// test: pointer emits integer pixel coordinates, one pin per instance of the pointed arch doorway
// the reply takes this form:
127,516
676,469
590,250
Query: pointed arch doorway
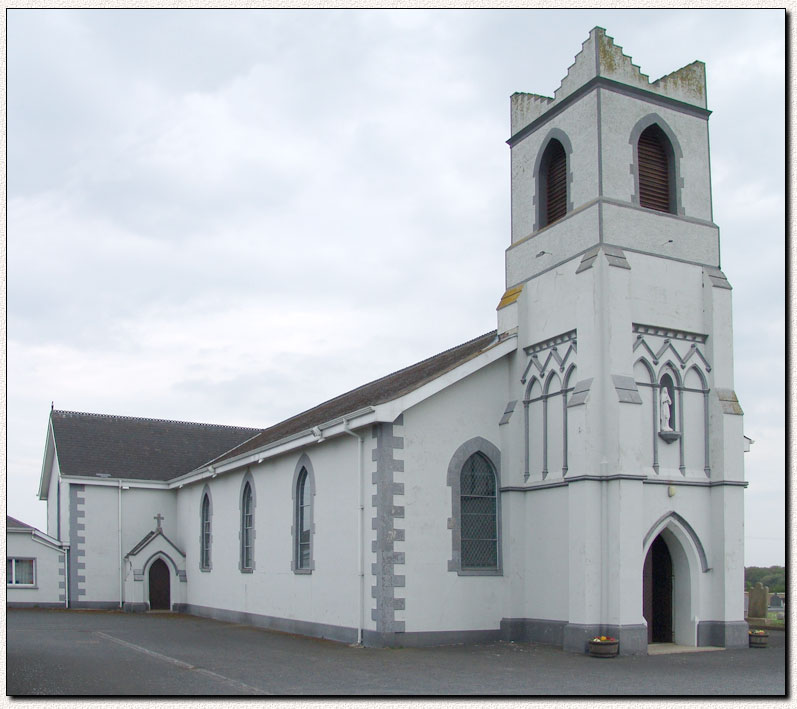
159,586
657,596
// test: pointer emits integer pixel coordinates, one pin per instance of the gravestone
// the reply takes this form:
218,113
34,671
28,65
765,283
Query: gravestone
776,601
759,601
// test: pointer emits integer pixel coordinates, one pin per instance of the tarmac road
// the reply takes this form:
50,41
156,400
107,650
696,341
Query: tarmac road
79,653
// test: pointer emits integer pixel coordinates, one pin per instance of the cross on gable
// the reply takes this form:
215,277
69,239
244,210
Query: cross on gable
158,518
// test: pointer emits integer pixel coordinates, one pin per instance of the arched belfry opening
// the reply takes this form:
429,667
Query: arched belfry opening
553,183
655,164
657,592
159,586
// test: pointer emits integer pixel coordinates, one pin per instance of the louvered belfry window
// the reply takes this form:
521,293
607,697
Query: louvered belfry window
554,169
654,170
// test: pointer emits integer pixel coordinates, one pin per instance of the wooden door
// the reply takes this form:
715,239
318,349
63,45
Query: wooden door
657,592
159,586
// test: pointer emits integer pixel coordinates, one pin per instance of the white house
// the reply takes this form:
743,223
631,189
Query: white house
577,471
35,568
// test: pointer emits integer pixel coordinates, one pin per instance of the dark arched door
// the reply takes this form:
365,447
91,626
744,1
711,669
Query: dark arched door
657,592
159,583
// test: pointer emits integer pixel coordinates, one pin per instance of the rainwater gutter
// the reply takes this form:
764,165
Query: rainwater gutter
361,535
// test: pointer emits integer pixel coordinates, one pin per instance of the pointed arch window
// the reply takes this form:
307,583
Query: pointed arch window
655,158
474,476
304,515
247,528
204,541
479,514
553,183
303,529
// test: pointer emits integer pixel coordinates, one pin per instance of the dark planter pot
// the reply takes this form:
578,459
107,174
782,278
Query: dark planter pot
604,649
759,640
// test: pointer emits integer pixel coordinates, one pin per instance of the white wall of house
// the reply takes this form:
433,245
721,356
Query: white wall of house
49,571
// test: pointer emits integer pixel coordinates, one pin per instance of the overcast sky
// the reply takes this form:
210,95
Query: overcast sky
229,216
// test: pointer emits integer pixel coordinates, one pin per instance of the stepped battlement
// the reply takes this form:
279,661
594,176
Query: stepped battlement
601,57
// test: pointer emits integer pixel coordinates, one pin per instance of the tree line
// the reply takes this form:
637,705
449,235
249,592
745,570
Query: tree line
772,576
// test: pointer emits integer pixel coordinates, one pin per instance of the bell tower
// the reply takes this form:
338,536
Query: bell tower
625,366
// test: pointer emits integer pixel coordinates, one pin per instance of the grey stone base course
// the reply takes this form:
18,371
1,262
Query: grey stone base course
431,638
135,607
533,630
284,625
718,633
95,605
633,638
34,604
574,637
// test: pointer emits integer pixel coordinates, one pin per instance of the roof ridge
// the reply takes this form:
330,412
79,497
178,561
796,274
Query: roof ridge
157,420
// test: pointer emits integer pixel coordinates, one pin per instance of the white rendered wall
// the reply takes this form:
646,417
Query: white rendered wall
329,594
544,542
139,507
433,430
102,556
100,551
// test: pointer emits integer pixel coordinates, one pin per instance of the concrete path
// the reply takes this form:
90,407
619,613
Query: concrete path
81,653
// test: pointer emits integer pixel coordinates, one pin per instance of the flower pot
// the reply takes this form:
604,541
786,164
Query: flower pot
607,648
758,640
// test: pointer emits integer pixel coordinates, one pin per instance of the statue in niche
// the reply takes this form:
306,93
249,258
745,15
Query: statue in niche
665,409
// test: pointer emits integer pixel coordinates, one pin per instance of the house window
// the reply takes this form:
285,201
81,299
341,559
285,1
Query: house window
478,514
303,521
20,572
204,548
655,158
553,184
247,528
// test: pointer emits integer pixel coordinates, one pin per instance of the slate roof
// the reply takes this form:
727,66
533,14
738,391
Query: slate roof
377,392
138,448
12,523
152,449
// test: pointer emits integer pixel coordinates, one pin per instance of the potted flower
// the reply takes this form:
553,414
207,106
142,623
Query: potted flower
758,638
604,646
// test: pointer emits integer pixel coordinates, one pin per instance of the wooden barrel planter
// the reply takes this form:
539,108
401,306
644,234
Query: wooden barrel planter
604,648
758,639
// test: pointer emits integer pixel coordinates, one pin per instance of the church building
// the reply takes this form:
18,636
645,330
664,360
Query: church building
576,472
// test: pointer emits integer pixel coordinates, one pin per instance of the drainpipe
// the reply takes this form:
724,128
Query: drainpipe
121,561
361,535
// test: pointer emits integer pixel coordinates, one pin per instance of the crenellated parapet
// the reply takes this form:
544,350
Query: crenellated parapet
601,58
